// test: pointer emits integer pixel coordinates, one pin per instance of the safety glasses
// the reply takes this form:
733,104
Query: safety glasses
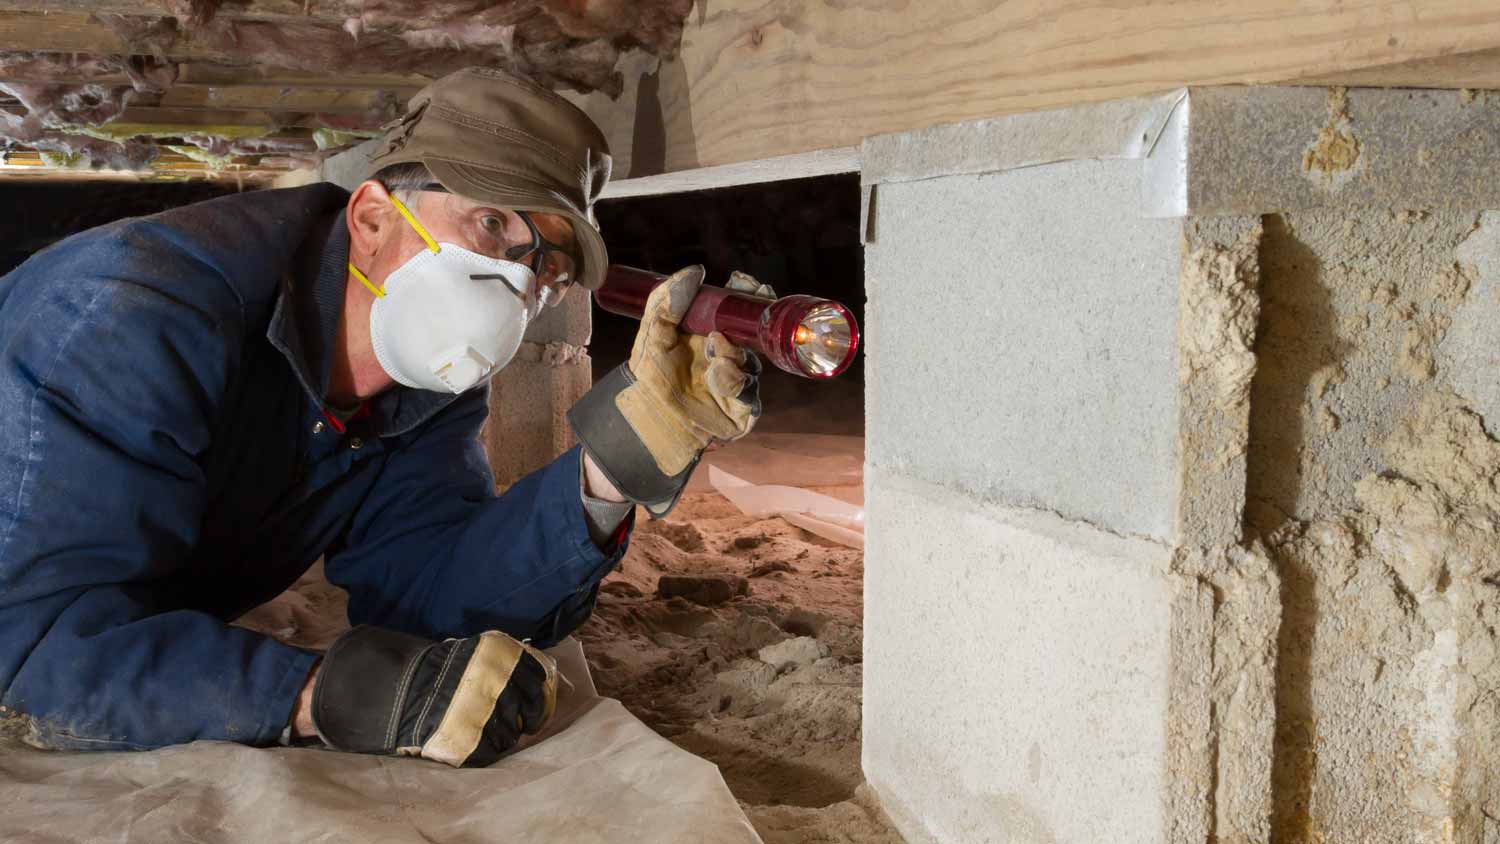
556,265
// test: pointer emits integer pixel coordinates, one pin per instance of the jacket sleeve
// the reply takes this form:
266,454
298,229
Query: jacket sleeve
432,551
107,388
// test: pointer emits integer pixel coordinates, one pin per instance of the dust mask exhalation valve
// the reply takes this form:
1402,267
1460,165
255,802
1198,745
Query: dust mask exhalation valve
803,335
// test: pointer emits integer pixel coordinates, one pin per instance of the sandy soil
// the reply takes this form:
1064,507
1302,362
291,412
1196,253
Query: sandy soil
766,685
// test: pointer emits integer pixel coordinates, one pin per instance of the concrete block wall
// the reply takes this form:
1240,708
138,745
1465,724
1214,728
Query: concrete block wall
1180,483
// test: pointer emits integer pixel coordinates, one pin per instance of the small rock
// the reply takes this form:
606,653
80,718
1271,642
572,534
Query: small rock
803,622
621,589
768,568
803,650
707,590
745,543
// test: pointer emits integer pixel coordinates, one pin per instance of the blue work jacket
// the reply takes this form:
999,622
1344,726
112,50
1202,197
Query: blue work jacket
166,464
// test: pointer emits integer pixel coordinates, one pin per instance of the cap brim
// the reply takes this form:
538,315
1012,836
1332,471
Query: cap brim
510,191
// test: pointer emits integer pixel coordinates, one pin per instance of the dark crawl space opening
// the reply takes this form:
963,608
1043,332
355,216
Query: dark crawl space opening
738,634
38,214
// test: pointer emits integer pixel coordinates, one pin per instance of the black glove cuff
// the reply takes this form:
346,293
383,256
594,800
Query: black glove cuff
618,450
358,700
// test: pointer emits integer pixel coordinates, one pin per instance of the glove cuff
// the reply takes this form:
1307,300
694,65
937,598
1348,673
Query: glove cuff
617,449
358,700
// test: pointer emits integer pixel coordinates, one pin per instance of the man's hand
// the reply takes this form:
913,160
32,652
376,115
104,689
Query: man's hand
301,721
689,390
644,425
462,702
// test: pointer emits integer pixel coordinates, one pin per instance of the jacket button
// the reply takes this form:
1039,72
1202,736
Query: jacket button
356,443
318,427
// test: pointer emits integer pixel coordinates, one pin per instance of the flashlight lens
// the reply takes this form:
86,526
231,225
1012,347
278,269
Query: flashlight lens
822,340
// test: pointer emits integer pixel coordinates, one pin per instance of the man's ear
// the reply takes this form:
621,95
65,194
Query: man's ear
369,217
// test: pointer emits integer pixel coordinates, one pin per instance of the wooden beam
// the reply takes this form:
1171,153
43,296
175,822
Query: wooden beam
756,79
1467,70
165,116
274,99
215,74
331,10
248,84
58,33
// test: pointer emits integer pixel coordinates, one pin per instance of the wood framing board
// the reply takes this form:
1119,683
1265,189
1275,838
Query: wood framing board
250,9
756,79
69,32
206,76
1480,69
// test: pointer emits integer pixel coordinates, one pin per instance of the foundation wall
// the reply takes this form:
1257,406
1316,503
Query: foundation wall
1371,481
1205,521
1020,469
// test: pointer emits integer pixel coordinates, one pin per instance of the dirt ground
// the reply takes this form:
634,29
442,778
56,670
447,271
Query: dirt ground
766,685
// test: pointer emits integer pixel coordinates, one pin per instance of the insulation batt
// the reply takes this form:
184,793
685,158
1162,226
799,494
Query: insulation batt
573,44
560,43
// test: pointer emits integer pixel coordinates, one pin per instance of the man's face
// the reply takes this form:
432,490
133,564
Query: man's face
544,242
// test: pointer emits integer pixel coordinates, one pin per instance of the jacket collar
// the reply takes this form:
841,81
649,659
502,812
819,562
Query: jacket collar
304,328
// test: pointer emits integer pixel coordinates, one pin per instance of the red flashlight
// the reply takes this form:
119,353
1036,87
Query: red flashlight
803,335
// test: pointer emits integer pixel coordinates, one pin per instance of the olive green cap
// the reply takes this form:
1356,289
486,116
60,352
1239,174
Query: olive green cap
494,138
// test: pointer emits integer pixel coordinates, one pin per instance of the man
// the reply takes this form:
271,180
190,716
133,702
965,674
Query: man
197,405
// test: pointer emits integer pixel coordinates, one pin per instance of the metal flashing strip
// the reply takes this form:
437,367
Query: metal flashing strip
823,162
1239,149
1120,129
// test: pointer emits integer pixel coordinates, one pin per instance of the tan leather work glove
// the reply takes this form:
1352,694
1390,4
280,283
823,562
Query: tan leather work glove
646,422
689,390
462,702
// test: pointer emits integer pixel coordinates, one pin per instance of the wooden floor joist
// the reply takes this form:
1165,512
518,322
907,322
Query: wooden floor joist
756,79
330,10
759,79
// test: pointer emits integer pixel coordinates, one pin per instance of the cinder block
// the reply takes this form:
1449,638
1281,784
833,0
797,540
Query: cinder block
1016,671
1023,341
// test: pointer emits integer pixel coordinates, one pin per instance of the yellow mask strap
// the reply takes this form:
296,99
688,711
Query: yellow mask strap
411,219
379,293
426,238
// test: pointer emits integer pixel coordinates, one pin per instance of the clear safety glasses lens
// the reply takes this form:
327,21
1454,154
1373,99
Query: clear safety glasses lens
556,266
822,340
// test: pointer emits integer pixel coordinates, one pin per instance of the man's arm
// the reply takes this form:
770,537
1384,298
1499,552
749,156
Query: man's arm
604,508
106,388
433,552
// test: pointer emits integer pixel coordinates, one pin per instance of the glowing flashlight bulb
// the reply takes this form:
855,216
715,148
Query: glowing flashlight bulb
803,336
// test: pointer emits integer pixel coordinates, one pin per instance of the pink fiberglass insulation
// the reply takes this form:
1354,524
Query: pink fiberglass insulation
123,155
566,44
71,103
570,44
146,74
320,46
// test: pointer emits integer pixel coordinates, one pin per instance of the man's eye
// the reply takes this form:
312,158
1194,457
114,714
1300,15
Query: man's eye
492,223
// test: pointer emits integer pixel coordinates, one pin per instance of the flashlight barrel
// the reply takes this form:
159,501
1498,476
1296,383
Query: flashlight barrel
766,326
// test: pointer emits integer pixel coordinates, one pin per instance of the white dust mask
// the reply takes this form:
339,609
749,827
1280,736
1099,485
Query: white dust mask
448,318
